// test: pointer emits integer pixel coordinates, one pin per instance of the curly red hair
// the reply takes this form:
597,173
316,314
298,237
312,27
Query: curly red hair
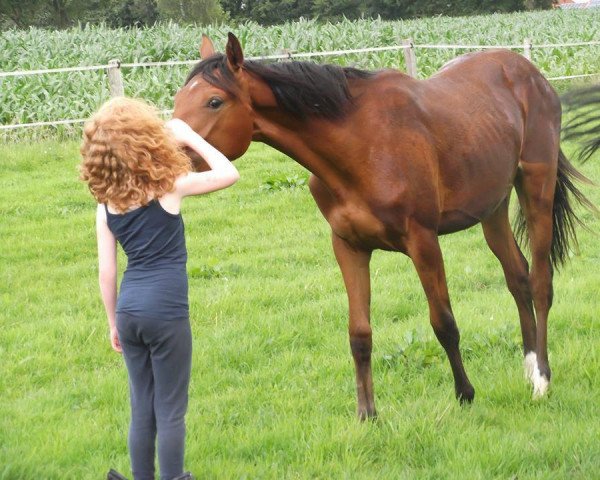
129,157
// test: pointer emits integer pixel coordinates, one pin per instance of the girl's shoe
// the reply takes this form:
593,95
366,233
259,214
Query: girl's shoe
114,475
184,476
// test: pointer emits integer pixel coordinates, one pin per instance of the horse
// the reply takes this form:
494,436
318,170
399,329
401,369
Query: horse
397,161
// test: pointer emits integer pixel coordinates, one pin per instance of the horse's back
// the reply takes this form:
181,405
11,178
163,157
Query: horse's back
500,73
463,130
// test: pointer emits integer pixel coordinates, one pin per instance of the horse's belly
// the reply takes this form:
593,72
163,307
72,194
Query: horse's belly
455,220
464,210
474,187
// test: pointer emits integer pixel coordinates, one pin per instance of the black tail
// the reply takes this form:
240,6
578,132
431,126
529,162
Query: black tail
564,219
583,126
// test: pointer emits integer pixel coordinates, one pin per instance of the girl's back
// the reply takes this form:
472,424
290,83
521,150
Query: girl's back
155,282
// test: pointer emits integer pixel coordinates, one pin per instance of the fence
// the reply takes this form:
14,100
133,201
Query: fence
409,49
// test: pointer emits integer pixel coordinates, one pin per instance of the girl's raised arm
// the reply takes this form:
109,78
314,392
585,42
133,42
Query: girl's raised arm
222,174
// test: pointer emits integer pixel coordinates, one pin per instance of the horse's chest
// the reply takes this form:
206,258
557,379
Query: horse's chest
362,227
357,221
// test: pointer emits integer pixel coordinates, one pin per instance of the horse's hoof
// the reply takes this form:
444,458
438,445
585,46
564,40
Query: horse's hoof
540,387
466,396
539,377
540,384
364,415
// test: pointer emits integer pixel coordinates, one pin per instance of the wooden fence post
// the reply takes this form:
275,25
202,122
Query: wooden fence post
285,51
527,49
409,57
115,79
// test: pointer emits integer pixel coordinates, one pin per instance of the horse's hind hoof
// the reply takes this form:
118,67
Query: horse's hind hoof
540,385
538,375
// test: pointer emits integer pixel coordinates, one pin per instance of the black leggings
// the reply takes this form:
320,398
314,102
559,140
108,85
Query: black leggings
158,355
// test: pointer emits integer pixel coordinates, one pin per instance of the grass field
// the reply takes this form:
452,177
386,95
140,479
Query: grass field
272,391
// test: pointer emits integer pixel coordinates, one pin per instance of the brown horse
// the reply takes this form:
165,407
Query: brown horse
396,162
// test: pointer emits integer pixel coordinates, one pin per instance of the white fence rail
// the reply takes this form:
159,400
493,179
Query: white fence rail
409,48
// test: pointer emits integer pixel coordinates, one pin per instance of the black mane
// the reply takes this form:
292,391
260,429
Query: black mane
302,88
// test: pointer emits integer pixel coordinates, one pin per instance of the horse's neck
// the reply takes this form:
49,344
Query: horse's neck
316,144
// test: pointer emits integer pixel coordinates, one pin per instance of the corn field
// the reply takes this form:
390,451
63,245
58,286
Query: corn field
77,94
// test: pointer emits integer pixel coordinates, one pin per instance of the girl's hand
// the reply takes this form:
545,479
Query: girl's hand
114,341
180,130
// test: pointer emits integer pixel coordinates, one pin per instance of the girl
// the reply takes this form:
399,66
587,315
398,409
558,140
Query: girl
136,170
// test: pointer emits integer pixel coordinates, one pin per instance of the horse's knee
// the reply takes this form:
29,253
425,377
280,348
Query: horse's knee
519,286
541,284
361,346
445,329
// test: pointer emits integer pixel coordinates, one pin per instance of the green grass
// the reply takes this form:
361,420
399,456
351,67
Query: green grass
272,389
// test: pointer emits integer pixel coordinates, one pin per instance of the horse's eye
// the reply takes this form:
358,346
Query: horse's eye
214,103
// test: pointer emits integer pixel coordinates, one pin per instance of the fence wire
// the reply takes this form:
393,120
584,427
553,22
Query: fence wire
287,55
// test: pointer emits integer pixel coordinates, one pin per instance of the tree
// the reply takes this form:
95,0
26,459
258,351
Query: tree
269,12
237,9
18,13
335,11
538,4
124,13
132,13
23,13
191,11
64,13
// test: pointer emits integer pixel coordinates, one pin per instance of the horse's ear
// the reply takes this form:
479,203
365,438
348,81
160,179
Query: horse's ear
235,56
206,47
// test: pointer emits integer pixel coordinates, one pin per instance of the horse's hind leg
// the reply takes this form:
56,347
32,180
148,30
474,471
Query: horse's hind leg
500,239
424,250
535,185
354,264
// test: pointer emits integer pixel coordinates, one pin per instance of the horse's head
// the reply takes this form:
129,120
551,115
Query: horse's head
215,100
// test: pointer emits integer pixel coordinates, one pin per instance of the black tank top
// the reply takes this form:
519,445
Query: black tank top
155,282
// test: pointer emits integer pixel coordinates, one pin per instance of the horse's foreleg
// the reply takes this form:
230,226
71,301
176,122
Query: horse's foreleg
424,250
354,264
